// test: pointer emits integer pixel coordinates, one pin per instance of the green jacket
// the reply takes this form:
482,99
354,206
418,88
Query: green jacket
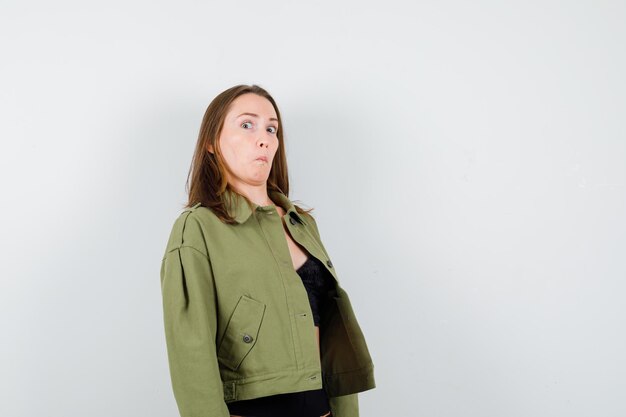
238,322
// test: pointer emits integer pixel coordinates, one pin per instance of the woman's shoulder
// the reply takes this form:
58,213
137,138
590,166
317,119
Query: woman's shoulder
189,228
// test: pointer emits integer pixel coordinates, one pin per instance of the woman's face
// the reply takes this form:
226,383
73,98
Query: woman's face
249,132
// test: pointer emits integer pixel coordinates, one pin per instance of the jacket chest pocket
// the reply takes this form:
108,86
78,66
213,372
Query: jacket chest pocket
241,332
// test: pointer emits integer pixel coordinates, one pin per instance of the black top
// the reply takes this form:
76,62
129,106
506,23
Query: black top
317,282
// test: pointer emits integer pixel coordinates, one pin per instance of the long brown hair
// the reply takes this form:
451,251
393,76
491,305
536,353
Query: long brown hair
206,181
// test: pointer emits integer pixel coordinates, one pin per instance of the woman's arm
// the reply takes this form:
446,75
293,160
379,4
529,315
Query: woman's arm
189,312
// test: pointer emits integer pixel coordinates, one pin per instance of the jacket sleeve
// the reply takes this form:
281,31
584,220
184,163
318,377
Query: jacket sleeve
190,317
345,405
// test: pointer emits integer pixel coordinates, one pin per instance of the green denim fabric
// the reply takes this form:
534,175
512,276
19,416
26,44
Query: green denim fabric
238,323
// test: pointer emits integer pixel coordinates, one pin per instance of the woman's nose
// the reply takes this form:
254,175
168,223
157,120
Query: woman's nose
266,137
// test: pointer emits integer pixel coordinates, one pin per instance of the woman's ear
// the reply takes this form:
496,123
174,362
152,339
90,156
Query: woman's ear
209,148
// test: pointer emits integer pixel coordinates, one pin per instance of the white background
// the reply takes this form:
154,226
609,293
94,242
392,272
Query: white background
466,163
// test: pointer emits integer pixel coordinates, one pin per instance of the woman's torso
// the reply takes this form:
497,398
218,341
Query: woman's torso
303,264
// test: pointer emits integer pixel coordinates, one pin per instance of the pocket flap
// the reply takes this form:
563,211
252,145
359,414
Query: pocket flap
241,332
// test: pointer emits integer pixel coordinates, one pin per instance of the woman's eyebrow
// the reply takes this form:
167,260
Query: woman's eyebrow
255,115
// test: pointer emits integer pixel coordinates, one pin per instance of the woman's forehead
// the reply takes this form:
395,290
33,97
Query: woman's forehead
252,105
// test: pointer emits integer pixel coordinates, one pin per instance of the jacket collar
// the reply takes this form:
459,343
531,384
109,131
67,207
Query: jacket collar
238,207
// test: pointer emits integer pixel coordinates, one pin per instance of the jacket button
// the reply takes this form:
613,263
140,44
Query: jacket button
329,263
292,221
247,338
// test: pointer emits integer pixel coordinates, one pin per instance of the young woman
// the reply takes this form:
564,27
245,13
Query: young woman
257,323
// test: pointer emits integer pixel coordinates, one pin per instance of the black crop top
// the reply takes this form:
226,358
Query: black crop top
318,283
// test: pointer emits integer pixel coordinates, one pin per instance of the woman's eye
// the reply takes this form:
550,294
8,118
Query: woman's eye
250,123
